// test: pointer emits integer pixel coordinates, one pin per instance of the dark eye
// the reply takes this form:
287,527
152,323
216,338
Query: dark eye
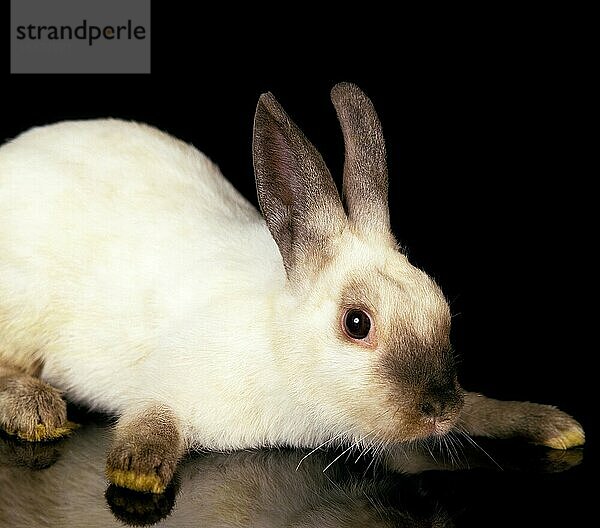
357,324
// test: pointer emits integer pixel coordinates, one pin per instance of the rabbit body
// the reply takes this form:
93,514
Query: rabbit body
135,280
134,272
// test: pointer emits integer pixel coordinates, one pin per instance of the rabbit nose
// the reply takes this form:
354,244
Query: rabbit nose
432,408
439,401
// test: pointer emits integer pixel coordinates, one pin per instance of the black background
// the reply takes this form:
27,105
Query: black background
488,126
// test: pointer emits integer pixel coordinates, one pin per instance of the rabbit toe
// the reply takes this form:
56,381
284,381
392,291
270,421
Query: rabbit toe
144,467
566,438
558,430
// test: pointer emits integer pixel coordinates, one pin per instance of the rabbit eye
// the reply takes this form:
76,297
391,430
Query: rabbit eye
357,324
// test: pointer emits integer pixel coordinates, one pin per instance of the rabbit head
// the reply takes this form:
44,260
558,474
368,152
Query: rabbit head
364,339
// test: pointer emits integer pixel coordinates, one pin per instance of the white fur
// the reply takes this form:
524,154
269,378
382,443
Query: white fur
136,274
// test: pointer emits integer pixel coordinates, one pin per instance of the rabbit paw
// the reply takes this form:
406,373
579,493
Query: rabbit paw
146,450
546,425
141,467
33,410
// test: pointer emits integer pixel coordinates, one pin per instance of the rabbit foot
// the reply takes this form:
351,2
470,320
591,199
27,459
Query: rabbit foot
143,467
146,451
551,427
33,410
136,481
540,424
566,439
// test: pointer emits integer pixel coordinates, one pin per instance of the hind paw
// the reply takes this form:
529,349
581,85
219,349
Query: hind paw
33,410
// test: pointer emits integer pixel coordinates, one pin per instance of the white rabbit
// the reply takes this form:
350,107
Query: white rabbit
134,279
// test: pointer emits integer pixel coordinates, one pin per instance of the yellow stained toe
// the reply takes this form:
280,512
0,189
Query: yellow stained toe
572,438
42,433
136,481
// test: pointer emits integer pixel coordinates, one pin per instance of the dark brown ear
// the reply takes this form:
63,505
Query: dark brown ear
365,167
296,193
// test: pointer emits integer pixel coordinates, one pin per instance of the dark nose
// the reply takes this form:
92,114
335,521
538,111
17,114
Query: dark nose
432,408
439,400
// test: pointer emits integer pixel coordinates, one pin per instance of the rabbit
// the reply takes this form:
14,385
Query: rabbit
135,280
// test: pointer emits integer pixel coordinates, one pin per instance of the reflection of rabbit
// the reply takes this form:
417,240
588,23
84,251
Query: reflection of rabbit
262,489
136,280
259,489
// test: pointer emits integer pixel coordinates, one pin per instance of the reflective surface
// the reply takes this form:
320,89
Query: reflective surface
62,484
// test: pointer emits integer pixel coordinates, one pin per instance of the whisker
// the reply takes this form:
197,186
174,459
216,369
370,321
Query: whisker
455,457
376,447
442,440
426,444
346,450
362,452
338,457
380,445
458,450
319,447
475,444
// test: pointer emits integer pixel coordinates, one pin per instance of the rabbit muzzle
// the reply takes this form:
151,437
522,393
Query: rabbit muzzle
423,392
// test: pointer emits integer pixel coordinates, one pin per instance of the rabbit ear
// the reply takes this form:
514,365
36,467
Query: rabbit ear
365,167
297,195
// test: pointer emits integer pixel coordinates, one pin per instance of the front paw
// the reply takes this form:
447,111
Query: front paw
146,467
33,410
546,425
